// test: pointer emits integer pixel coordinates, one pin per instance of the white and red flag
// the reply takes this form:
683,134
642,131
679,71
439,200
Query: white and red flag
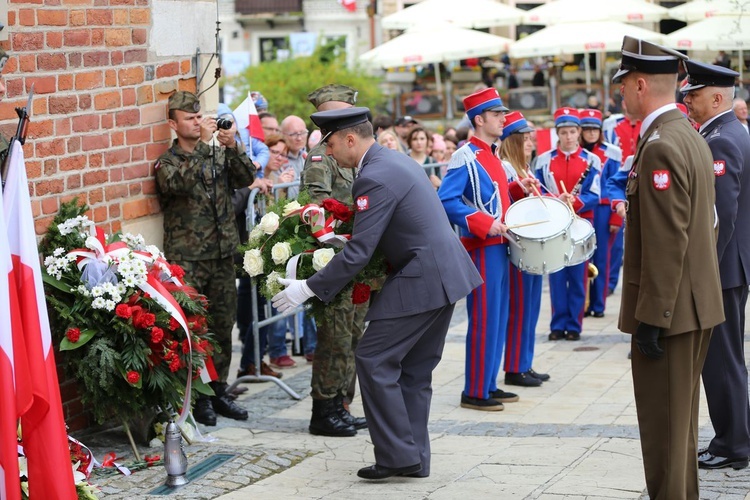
43,427
247,117
350,5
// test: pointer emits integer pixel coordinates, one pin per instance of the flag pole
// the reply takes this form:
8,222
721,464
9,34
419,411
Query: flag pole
20,136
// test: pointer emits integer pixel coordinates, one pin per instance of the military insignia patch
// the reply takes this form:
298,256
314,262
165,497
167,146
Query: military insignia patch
720,167
661,180
654,137
363,203
316,158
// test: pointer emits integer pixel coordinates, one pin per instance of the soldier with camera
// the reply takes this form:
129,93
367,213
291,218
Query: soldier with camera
194,181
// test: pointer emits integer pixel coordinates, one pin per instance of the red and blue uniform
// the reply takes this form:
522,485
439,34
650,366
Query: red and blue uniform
568,285
475,192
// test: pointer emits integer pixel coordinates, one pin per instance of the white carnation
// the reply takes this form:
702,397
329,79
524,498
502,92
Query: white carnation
253,262
99,303
269,223
281,252
291,207
322,257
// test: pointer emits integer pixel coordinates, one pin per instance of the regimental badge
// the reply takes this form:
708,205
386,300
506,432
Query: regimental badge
316,158
720,168
661,180
363,203
654,137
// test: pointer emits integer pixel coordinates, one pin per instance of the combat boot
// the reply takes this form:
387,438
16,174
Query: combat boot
348,418
325,420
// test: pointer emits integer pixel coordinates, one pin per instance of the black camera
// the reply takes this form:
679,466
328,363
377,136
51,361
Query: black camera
224,123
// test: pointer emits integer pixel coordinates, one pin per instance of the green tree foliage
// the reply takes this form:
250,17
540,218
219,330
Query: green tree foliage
285,84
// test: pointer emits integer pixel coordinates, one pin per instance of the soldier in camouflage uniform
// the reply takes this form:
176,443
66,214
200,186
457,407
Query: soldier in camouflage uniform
341,329
194,181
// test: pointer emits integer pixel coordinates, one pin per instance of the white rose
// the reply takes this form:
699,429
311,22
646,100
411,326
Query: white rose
291,207
253,262
322,257
255,235
269,223
281,252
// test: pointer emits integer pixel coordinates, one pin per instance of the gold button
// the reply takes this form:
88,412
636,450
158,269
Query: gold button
667,314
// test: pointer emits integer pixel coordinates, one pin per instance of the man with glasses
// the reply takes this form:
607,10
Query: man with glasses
269,123
295,132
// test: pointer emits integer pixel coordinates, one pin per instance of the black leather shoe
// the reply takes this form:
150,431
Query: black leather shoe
224,406
204,413
573,336
325,420
522,379
556,335
541,376
597,314
379,472
504,396
489,404
708,460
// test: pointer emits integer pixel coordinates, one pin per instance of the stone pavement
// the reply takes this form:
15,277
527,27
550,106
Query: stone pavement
574,437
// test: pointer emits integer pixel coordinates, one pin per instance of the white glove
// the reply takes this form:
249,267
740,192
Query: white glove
296,293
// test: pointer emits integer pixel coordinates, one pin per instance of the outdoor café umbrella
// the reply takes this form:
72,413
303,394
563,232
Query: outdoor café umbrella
630,11
698,10
464,13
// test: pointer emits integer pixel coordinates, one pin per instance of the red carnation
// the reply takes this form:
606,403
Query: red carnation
157,334
340,211
73,334
124,311
144,319
173,324
360,293
177,271
185,347
133,377
174,365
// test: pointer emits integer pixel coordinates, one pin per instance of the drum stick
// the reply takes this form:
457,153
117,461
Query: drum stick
536,190
511,240
562,184
524,224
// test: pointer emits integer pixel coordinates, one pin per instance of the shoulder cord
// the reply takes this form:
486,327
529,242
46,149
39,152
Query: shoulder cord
486,208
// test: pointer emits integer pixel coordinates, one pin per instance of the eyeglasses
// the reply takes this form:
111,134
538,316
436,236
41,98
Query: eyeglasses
298,135
277,153
275,130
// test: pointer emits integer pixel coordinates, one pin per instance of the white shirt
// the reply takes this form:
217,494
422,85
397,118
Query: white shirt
654,115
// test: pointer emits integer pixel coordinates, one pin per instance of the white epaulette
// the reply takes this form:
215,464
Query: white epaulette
462,157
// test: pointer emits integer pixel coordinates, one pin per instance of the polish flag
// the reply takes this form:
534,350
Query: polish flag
546,140
350,5
247,117
44,435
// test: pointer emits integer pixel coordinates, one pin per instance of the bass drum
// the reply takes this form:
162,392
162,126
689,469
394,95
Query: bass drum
582,241
539,248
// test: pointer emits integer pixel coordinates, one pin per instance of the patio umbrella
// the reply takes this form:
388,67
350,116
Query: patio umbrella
697,10
464,13
560,11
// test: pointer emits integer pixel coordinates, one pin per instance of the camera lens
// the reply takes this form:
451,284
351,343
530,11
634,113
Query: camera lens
224,123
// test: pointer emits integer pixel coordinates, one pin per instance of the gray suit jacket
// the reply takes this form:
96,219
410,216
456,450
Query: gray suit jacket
400,213
730,147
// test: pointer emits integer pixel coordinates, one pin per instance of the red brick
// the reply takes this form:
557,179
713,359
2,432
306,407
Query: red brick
107,100
49,17
65,81
11,18
97,37
122,2
144,94
96,160
75,59
85,123
50,167
92,142
77,38
54,39
134,189
73,181
154,151
77,2
140,16
62,126
115,174
26,17
40,106
100,214
148,186
73,163
33,169
116,156
89,80
161,132
77,17
96,58
55,147
121,17
62,105
138,153
50,205
42,223
130,76
140,36
127,118
27,63
117,57
110,76
152,113
118,138
44,187
42,85
137,171
41,128
115,192
108,121
135,208
96,196
84,102
186,85
166,70
186,67
128,97
14,87
114,213
74,144
99,17
136,55
117,37
95,177
51,3
51,61
138,136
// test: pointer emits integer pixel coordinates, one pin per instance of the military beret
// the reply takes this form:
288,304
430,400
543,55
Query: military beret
338,119
646,57
3,59
184,101
707,75
333,92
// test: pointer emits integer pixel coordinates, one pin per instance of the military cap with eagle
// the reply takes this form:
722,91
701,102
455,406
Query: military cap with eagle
647,57
338,119
707,75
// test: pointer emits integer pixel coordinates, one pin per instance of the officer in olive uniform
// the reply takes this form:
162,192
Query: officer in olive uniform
194,181
340,331
671,293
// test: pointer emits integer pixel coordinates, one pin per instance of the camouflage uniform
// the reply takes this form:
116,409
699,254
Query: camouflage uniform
340,330
200,233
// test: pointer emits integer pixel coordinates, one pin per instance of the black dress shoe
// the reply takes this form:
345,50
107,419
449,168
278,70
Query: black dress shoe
224,406
203,412
597,314
503,396
379,472
556,335
522,379
708,460
573,336
541,376
489,404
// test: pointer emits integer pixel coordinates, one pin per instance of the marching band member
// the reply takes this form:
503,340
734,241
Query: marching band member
475,195
607,224
572,174
525,288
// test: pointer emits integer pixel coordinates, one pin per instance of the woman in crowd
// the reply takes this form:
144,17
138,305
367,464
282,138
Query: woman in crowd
278,169
389,139
419,146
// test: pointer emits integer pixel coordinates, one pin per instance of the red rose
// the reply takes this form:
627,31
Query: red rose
360,293
340,211
124,311
157,334
177,271
73,334
133,377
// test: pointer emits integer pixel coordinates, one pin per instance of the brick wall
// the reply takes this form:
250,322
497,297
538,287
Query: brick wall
99,112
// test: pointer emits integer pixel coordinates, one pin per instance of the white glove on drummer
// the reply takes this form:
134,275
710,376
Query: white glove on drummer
296,293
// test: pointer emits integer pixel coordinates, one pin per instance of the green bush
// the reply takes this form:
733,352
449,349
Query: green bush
285,84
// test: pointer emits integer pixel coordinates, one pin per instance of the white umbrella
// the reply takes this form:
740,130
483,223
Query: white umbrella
560,11
698,10
464,13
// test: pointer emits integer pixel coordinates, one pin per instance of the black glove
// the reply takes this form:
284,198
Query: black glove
647,340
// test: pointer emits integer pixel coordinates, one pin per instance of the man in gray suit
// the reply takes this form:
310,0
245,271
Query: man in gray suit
399,213
708,97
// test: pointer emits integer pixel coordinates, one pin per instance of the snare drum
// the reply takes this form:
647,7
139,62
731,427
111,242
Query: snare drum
582,241
539,248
